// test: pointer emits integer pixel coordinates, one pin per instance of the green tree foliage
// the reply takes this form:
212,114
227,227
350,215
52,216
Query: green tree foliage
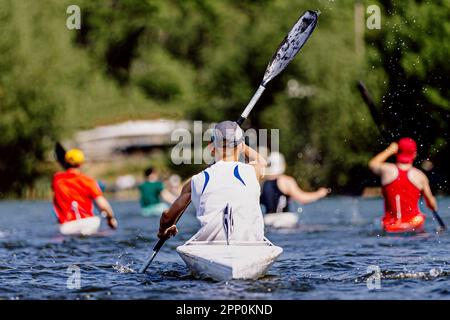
412,50
48,88
203,59
209,56
27,105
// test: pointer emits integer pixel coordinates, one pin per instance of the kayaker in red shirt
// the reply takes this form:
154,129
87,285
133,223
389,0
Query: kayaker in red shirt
74,194
402,186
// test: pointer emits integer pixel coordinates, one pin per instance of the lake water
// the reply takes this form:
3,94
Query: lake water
331,256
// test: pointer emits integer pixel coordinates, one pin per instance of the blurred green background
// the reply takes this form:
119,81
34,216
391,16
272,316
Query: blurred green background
202,60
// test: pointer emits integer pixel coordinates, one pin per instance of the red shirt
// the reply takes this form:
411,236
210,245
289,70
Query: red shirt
74,193
401,201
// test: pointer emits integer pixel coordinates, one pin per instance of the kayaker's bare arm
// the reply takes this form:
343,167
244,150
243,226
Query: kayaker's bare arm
105,207
377,162
428,195
289,186
256,160
167,227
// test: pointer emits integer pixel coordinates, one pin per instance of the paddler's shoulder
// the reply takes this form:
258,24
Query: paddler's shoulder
77,174
59,174
240,166
57,177
285,179
389,167
86,178
200,175
64,174
418,173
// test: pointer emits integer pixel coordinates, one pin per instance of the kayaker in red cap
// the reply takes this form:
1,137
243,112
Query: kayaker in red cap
402,186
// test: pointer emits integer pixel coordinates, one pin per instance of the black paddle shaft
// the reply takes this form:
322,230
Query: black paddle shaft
240,121
439,220
159,244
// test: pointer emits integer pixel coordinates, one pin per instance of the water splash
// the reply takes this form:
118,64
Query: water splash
123,268
394,275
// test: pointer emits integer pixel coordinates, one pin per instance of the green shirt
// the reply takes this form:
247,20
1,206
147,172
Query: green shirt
150,191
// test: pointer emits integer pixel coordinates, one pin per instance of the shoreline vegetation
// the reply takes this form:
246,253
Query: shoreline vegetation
201,60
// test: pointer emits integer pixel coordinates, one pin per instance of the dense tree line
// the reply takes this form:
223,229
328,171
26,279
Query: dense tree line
411,52
202,59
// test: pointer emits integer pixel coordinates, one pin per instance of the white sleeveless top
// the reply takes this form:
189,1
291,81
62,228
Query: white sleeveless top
235,184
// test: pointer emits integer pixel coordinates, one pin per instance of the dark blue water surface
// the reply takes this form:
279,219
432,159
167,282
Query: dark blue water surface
326,258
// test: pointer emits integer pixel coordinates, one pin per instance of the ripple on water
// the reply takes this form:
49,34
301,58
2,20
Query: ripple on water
276,284
323,258
432,274
334,264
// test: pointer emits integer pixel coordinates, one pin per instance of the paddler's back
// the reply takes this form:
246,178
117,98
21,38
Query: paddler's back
72,186
235,184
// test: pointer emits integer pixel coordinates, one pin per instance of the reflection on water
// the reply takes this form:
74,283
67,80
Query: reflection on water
331,255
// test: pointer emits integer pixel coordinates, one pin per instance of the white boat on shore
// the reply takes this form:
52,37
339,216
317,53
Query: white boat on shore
238,260
281,220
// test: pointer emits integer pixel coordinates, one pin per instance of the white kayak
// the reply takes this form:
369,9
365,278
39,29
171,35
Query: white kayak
238,260
281,220
83,227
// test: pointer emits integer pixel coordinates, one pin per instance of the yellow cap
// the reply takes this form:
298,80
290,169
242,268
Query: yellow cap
74,157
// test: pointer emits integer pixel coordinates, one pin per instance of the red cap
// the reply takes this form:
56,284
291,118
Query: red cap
407,150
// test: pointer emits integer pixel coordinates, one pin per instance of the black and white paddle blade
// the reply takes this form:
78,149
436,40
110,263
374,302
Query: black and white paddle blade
366,95
285,53
291,45
375,112
228,223
60,154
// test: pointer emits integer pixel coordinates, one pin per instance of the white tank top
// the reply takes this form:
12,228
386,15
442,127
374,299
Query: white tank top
235,184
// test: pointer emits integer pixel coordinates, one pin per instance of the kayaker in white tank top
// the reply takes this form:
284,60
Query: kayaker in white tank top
228,183
225,183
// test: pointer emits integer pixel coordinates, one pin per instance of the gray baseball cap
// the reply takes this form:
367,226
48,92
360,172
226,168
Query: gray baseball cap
227,134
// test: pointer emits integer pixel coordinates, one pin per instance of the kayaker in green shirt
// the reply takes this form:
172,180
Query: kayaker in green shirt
155,198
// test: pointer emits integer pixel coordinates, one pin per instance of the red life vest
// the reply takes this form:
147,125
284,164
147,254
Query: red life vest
73,195
401,202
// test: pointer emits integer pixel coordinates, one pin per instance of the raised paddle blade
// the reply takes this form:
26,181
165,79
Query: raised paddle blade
291,45
374,111
285,53
366,95
60,154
